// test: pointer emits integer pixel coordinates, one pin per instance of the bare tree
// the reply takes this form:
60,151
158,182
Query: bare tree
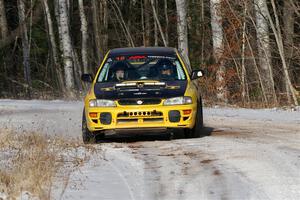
158,23
3,20
122,22
96,28
264,49
67,48
84,33
203,32
167,22
25,45
104,7
53,45
181,6
245,90
56,12
143,22
100,27
289,31
217,36
279,41
155,25
147,22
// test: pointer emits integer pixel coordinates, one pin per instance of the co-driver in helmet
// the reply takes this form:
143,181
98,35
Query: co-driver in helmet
166,68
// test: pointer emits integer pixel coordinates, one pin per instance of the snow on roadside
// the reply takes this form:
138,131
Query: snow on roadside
15,105
62,118
274,115
256,160
113,174
31,163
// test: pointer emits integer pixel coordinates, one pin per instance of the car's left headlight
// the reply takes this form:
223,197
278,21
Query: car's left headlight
178,101
102,103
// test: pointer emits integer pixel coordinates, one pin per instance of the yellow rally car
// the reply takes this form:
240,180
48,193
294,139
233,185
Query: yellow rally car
142,90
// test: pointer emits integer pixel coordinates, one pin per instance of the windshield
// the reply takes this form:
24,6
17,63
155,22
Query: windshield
131,68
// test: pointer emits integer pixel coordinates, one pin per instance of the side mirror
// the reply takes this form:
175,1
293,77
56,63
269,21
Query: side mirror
87,78
197,74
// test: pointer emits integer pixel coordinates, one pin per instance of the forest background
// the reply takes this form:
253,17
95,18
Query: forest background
248,49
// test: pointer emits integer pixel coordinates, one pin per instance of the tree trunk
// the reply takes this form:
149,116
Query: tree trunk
167,22
182,31
77,70
263,40
245,94
25,46
147,23
84,33
279,41
217,35
203,32
56,10
289,31
157,22
122,23
129,6
3,21
143,22
3,35
53,46
105,26
67,47
96,28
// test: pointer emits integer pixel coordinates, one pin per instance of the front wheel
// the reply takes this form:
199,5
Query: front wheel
87,136
197,130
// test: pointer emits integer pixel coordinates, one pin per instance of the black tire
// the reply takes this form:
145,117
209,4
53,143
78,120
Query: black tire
188,133
197,131
170,135
87,136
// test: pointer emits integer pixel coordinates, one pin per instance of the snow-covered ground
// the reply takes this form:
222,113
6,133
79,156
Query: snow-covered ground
250,154
48,117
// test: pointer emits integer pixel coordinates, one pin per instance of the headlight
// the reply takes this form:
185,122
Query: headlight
178,101
102,103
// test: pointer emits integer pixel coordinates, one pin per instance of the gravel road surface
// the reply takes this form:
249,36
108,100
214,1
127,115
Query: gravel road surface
249,154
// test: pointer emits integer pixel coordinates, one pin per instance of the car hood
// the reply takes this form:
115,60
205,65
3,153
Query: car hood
140,89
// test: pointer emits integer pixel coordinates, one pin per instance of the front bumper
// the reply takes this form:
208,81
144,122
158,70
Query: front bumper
140,117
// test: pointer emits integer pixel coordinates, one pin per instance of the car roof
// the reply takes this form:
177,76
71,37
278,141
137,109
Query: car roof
153,51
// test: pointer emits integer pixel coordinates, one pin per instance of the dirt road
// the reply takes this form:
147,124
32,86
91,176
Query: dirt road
250,154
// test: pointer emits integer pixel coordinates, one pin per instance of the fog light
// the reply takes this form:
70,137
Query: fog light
105,118
187,112
174,116
93,114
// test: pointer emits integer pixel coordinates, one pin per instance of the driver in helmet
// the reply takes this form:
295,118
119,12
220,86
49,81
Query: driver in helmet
119,69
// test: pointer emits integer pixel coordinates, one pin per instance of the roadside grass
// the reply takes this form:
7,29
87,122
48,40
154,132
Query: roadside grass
30,163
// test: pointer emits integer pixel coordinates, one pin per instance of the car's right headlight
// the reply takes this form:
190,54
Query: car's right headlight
178,101
102,103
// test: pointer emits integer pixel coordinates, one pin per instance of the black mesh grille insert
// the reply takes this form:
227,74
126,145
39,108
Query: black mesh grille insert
139,101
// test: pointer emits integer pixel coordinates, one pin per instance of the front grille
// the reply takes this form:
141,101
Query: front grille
125,102
140,116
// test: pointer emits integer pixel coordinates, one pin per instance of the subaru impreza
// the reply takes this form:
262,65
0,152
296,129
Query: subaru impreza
142,90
